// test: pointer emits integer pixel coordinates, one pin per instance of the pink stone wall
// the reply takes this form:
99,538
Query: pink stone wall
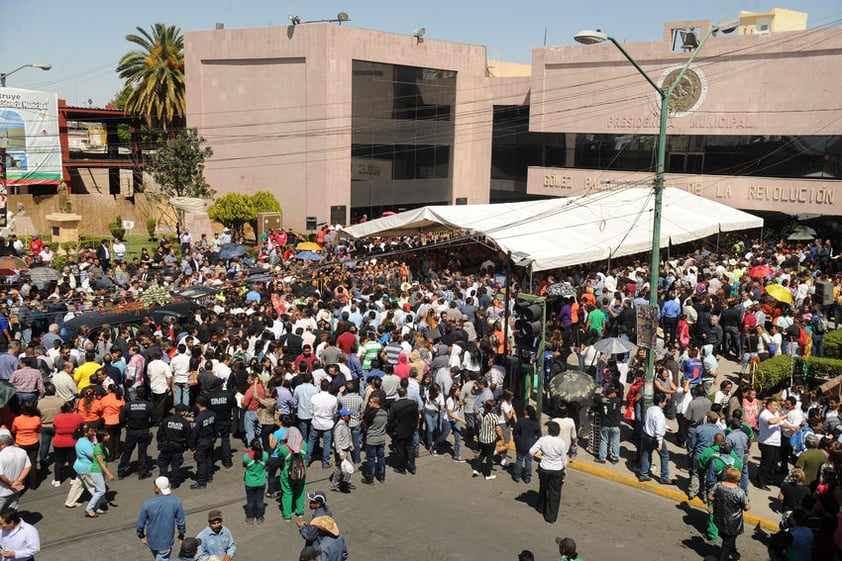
275,105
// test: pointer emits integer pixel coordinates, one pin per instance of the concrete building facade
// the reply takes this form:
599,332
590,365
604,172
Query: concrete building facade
339,122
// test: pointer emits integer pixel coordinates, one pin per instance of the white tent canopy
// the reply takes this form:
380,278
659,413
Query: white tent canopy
568,231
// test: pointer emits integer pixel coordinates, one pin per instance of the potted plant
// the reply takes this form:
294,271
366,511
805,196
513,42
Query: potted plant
116,228
151,225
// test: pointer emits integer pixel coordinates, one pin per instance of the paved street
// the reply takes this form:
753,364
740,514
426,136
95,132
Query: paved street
441,513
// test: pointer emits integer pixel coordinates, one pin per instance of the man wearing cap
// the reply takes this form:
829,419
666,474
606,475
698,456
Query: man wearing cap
157,517
331,544
342,445
216,539
189,549
317,505
567,549
172,442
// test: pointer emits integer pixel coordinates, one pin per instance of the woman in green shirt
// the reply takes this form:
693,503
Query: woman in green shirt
292,486
99,471
255,479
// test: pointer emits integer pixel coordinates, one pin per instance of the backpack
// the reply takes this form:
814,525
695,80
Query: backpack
820,325
803,338
297,470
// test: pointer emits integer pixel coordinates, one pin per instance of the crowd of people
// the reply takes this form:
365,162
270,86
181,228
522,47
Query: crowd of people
372,353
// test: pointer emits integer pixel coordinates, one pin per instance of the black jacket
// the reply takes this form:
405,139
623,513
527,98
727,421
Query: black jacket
403,418
204,430
173,433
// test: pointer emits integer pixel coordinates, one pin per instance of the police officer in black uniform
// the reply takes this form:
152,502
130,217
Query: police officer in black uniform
137,416
201,442
222,403
173,433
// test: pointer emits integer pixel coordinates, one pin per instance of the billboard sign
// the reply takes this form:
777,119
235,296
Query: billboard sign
29,133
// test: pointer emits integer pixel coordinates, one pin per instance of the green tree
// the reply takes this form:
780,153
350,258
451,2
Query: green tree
154,76
263,201
233,210
179,168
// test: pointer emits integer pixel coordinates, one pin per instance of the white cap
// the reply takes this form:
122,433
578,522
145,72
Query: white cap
163,484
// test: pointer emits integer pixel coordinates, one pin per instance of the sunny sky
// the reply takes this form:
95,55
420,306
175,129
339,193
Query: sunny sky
85,40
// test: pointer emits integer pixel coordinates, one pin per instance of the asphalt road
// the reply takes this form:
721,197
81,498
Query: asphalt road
442,513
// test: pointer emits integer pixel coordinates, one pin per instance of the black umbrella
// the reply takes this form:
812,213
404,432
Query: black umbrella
572,386
232,251
42,276
564,289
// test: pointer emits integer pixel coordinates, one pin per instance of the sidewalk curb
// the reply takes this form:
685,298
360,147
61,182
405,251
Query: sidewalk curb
664,491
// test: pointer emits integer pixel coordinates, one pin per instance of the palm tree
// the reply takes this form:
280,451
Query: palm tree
154,76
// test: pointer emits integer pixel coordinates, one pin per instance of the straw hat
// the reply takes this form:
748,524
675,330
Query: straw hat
327,524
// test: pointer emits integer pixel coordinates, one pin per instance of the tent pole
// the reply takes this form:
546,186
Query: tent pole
530,277
717,242
506,305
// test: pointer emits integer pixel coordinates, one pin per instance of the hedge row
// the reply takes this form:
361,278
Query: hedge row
833,344
774,374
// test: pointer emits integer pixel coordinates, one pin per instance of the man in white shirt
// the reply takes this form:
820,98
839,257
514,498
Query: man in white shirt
654,431
222,370
324,412
119,250
180,366
769,439
160,384
14,468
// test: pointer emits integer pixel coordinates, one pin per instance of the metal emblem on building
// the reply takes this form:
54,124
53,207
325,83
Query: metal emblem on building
689,94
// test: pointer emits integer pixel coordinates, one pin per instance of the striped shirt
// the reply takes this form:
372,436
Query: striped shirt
487,427
368,353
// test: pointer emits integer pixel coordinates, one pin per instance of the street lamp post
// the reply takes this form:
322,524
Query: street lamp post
589,37
41,65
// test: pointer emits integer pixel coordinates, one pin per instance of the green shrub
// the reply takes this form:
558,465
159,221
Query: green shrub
833,344
116,228
774,374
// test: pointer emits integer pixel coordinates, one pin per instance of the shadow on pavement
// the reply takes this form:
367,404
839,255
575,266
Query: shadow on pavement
529,497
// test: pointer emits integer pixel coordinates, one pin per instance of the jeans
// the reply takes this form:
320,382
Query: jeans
327,439
649,445
431,424
609,435
27,396
47,433
376,461
304,427
456,429
255,507
182,394
99,491
356,438
523,466
250,421
818,345
730,341
470,428
161,554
